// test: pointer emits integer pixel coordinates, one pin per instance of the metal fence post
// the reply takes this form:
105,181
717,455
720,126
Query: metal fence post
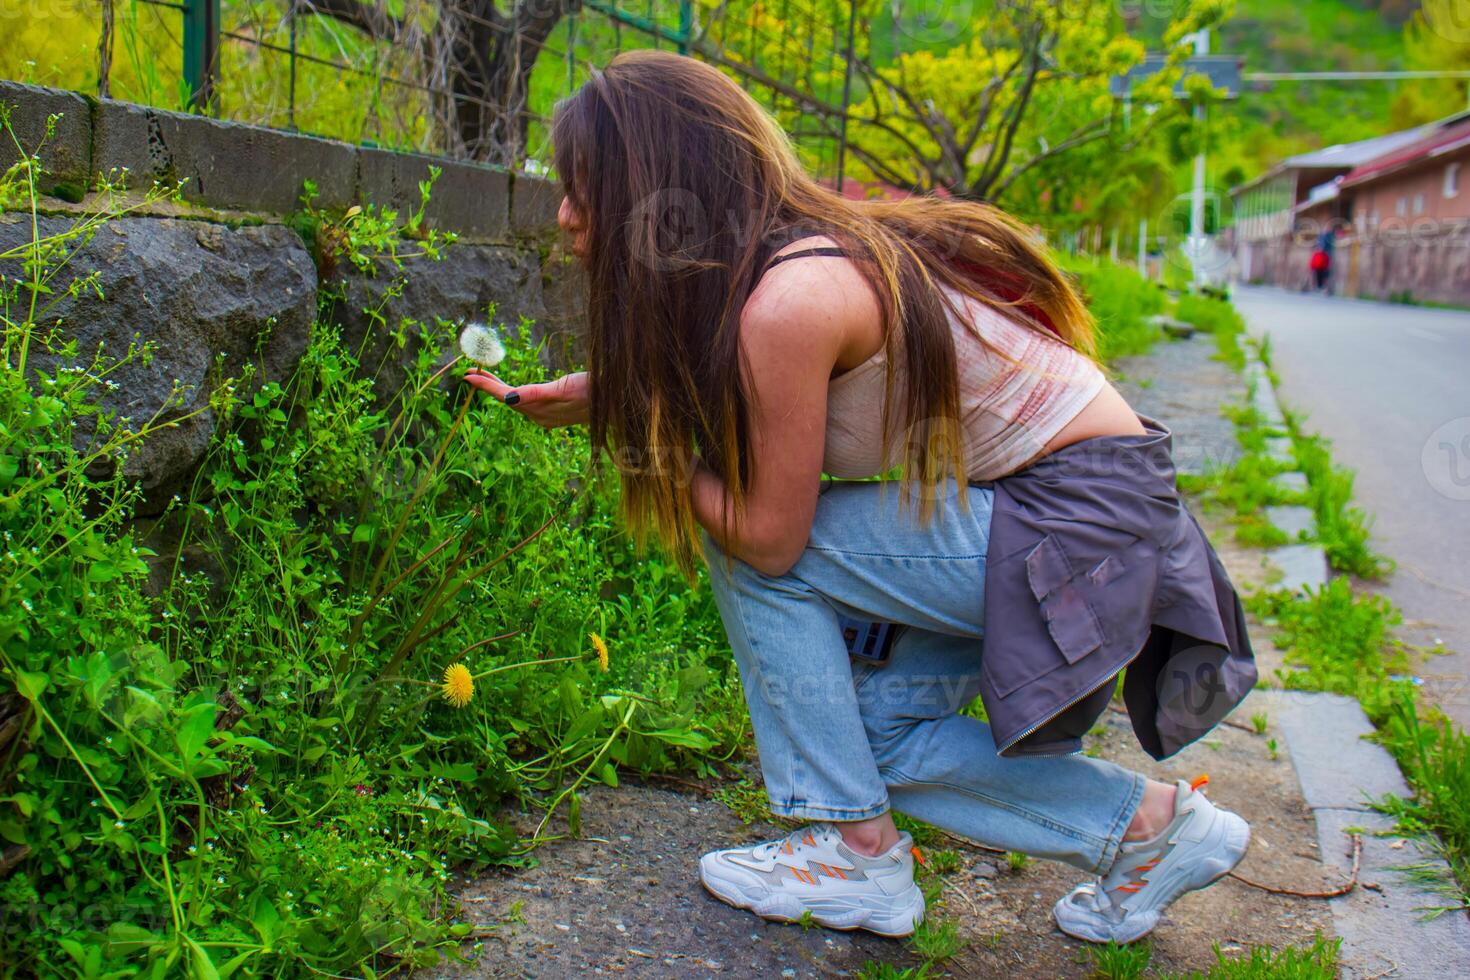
686,24
846,94
201,52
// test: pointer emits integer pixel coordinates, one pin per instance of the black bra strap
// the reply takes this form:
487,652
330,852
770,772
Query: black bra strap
828,250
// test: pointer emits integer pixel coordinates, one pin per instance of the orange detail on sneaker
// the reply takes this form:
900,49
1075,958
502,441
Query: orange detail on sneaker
1199,781
918,856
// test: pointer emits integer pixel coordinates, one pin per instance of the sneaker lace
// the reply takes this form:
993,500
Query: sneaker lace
799,838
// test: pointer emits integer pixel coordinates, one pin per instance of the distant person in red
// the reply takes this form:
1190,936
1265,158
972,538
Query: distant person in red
1321,261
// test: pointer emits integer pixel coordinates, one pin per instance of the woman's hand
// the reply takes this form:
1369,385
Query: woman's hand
550,404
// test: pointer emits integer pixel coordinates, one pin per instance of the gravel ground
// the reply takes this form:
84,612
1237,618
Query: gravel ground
1181,384
625,898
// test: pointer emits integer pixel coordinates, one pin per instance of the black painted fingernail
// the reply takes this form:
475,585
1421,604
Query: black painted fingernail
512,397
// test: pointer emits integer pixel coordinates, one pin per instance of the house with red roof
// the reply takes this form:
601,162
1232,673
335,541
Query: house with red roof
1393,211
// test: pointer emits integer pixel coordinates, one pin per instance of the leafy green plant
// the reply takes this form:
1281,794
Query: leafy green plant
252,766
937,940
1342,528
1315,962
1342,639
1435,756
1219,318
1122,301
874,970
1111,961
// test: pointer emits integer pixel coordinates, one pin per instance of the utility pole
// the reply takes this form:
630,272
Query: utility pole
1197,242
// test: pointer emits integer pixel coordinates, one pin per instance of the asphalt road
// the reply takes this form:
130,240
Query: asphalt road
1390,386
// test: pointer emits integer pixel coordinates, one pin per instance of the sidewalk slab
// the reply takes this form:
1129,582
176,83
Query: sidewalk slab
1293,520
1384,931
1302,566
1282,449
1293,482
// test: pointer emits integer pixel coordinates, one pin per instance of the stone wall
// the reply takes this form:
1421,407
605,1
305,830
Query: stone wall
220,281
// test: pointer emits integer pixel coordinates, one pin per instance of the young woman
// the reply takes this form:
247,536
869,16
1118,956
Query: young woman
750,331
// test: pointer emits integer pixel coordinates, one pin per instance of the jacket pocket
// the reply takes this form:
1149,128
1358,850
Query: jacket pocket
1070,622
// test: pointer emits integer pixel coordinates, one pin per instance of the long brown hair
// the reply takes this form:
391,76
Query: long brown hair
687,187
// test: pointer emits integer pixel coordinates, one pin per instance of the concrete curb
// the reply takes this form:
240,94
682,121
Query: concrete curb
1302,565
1384,930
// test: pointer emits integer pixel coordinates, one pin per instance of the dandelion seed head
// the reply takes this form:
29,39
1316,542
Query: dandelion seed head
481,344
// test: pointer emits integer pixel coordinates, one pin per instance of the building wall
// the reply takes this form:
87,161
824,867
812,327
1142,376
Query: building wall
1415,194
1401,237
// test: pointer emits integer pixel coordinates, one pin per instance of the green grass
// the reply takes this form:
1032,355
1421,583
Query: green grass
1342,529
1315,962
1342,640
1218,317
1122,301
248,761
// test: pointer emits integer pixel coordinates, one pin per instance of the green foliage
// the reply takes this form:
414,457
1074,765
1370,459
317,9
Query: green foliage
246,766
1218,317
1122,301
1342,528
1435,757
874,970
1342,639
1315,962
1111,961
937,940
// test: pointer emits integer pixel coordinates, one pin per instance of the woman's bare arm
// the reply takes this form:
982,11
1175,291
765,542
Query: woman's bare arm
805,316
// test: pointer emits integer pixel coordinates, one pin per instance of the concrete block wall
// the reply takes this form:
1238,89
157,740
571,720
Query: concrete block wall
238,167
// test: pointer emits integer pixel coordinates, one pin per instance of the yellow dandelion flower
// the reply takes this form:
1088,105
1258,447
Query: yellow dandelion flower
601,648
458,685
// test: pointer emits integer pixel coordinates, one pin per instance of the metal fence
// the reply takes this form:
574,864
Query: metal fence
442,77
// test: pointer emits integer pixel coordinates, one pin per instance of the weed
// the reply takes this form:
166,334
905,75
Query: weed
1315,962
937,940
1342,529
1260,721
1017,861
1115,962
1273,751
747,801
251,758
942,862
1122,301
874,970
1218,317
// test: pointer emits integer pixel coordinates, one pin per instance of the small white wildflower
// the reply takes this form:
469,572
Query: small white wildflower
482,345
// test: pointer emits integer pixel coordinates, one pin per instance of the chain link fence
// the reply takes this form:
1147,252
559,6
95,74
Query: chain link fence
465,79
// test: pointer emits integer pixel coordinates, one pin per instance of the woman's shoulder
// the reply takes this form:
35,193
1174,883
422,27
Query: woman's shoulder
819,294
809,275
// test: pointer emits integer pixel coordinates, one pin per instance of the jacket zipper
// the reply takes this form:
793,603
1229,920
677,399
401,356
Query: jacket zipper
1054,714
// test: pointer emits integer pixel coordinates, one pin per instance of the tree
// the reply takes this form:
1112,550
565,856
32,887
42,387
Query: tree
972,105
477,57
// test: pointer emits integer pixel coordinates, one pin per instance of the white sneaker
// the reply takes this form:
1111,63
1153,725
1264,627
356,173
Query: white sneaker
1201,844
813,871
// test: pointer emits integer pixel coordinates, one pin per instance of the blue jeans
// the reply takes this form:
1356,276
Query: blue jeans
845,740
